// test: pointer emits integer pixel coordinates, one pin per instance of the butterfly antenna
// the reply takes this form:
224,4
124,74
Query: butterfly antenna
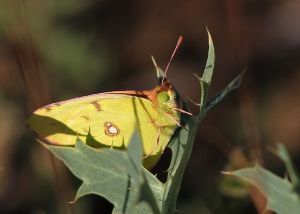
179,41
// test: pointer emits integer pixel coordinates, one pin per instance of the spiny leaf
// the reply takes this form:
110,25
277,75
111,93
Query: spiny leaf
205,80
183,141
114,174
210,63
279,192
234,84
181,147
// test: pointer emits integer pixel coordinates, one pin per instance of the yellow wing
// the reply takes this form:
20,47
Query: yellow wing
111,119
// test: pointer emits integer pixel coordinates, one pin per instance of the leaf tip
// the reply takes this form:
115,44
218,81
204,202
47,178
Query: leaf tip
226,173
210,42
73,202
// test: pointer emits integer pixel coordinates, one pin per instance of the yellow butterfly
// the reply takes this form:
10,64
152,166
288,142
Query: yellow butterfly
111,118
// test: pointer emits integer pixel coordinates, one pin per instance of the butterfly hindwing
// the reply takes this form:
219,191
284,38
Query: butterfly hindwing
110,119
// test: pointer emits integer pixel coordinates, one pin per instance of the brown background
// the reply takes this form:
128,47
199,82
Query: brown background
54,50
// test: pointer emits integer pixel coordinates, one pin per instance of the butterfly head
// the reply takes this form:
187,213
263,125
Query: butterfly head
166,97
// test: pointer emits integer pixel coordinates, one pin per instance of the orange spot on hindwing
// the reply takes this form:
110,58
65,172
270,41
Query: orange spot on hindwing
111,129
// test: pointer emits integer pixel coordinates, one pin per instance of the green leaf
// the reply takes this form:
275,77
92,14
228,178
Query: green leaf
279,192
150,198
205,80
210,63
284,156
234,84
159,72
113,174
181,146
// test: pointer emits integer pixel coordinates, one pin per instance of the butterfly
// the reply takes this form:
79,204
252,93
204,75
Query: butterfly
109,119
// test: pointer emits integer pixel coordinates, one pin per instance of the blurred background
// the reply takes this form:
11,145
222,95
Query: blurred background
56,50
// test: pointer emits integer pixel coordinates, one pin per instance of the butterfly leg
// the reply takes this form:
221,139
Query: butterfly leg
177,123
183,111
157,143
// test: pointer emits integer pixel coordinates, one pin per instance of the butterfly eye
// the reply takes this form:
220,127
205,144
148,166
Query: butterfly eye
163,97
